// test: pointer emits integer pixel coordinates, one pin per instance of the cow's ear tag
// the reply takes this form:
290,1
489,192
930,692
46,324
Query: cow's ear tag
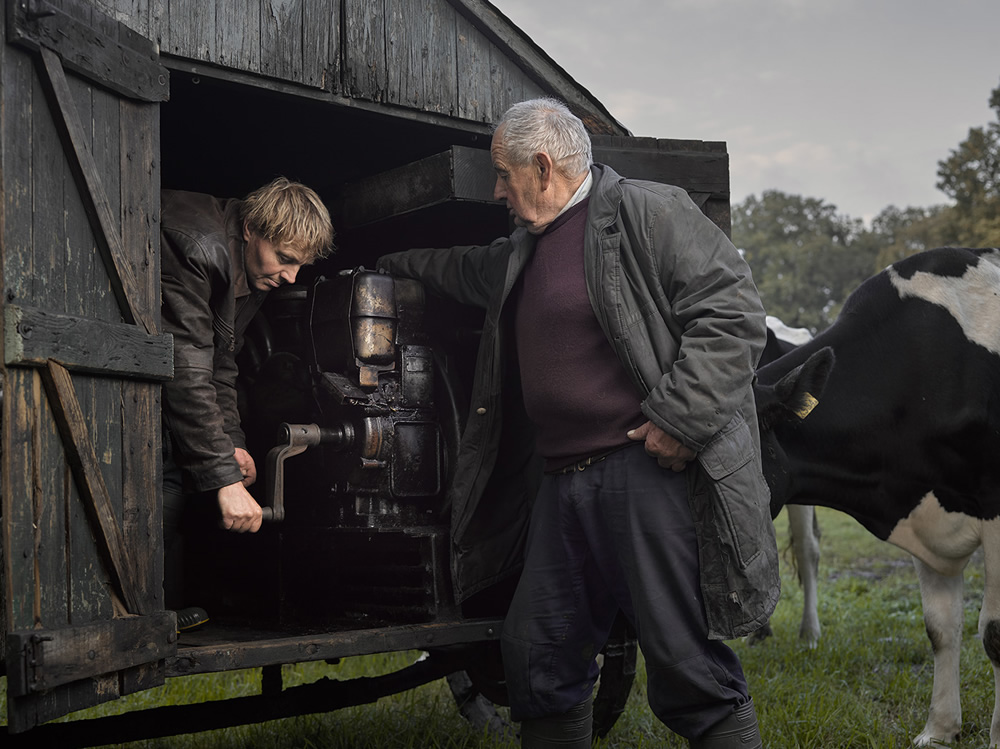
808,404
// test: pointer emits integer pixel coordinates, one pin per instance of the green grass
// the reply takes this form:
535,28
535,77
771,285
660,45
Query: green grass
866,686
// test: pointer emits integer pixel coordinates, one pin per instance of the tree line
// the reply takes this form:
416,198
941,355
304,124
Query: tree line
807,258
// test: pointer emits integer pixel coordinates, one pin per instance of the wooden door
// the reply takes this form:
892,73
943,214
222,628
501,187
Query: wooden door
82,361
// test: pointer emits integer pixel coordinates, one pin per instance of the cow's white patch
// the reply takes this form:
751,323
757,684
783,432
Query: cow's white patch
973,299
940,539
782,332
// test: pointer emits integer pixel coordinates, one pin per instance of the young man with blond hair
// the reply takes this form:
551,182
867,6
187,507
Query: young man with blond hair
219,259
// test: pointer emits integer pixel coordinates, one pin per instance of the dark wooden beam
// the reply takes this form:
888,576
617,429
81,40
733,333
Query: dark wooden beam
466,174
218,649
33,336
459,173
82,459
41,659
132,71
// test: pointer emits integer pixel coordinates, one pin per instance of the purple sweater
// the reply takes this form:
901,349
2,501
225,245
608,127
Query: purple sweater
575,389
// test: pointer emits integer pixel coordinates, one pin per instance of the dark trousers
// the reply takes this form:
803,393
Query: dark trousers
618,535
180,509
174,505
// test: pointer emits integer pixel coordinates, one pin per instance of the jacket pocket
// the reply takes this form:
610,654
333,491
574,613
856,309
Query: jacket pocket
736,491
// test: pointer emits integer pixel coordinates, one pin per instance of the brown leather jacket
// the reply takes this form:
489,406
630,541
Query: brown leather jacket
207,307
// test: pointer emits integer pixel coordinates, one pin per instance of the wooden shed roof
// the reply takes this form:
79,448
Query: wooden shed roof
460,59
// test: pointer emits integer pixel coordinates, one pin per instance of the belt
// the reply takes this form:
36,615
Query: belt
581,465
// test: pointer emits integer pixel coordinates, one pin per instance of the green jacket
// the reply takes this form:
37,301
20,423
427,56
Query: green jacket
678,304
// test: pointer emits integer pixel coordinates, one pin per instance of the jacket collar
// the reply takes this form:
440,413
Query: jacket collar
605,195
237,247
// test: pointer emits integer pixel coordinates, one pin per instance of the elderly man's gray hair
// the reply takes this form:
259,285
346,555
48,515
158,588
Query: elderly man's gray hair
546,125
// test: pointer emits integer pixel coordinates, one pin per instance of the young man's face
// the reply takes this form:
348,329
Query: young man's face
269,265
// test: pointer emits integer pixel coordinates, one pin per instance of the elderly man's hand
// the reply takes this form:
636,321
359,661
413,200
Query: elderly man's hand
247,467
240,511
669,453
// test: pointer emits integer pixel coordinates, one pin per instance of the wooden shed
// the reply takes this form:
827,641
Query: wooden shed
383,106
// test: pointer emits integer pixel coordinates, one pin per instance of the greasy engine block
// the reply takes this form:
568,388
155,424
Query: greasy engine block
358,485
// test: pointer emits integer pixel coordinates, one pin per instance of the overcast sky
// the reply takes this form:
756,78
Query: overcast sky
851,101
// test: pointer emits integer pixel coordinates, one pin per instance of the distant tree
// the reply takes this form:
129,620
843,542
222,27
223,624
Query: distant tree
971,176
805,257
903,232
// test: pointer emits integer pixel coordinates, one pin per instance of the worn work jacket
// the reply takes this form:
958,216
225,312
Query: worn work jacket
679,306
206,306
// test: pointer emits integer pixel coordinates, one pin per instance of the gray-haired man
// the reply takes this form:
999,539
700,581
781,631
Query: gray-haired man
636,326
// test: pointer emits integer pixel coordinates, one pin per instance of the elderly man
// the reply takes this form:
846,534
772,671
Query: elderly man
636,329
219,260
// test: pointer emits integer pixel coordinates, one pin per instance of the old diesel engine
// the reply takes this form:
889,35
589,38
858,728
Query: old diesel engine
358,420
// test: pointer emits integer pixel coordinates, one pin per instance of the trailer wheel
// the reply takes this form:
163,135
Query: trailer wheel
478,690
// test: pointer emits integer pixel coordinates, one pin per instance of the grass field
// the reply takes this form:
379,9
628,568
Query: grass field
866,686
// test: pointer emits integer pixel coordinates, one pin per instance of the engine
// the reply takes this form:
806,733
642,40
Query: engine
356,483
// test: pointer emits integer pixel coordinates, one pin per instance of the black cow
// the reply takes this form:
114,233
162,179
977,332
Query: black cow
892,415
803,529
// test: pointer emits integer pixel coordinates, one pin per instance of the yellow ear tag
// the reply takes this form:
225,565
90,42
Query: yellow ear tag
808,404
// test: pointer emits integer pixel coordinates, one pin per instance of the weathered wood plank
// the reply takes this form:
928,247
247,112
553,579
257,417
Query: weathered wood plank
321,45
475,98
237,28
27,712
282,37
100,397
439,58
47,490
20,405
142,510
191,29
507,82
53,657
33,336
85,282
135,14
91,189
142,505
159,24
404,46
421,54
128,71
97,299
16,75
49,169
365,56
82,458
537,73
49,499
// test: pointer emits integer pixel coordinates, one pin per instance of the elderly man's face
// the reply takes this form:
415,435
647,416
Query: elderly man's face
520,187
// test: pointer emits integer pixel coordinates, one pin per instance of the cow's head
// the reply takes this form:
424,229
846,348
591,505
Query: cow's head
787,402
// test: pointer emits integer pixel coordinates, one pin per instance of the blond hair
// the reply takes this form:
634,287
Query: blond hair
289,213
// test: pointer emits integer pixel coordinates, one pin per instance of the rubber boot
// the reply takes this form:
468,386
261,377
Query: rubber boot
570,730
738,731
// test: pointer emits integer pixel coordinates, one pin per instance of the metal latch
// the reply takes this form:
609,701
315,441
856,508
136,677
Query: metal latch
30,677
